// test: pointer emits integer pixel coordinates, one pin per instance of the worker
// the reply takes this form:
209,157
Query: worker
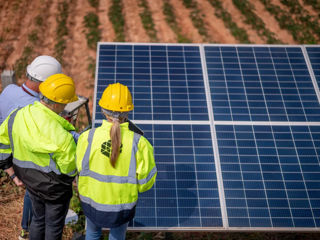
43,154
114,165
14,96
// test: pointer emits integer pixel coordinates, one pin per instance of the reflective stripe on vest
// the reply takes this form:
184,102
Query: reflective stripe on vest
108,207
131,178
29,164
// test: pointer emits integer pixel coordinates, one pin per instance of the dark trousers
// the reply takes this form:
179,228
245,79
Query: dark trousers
48,218
27,212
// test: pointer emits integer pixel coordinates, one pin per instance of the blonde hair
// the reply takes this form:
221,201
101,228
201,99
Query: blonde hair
115,136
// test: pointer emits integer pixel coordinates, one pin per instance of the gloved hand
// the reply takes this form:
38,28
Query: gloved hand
75,136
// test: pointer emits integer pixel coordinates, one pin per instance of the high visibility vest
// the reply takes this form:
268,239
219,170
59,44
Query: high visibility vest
109,195
39,139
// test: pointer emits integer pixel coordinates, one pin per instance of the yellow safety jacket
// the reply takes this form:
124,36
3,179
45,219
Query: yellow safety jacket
109,195
43,150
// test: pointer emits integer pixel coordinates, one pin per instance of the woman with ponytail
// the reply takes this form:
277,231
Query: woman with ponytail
114,165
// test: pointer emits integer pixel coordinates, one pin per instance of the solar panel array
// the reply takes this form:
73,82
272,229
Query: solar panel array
235,130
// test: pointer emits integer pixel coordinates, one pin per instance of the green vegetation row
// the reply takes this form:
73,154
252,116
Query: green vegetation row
117,19
303,16
62,30
313,3
147,21
239,33
26,57
93,33
299,32
247,9
171,20
94,3
197,18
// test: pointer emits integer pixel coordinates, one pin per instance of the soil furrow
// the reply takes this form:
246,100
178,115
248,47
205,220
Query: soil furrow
134,30
216,29
164,32
239,19
272,24
77,55
107,32
185,22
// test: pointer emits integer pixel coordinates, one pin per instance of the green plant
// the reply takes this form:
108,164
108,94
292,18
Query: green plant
247,9
22,62
239,33
33,37
91,66
313,3
197,18
303,16
93,35
75,205
62,30
117,19
171,20
300,33
39,20
94,3
147,20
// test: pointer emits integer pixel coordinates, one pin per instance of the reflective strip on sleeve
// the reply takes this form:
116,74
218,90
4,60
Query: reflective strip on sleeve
86,157
108,207
133,161
149,177
4,146
72,173
4,156
10,125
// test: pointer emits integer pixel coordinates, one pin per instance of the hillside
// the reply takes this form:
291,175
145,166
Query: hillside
70,29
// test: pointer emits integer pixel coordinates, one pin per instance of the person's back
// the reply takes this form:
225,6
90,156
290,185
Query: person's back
41,138
115,164
43,151
13,97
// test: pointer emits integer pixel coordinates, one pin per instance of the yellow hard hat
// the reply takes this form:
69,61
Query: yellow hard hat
116,97
59,88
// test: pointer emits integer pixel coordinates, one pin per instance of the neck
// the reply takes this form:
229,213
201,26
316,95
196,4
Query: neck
50,106
32,85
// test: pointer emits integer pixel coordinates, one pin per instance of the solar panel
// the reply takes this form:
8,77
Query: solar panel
166,81
235,130
260,84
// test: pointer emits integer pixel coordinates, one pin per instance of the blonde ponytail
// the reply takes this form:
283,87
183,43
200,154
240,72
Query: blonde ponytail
115,137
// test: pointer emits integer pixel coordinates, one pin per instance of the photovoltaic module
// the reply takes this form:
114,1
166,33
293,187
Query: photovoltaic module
235,130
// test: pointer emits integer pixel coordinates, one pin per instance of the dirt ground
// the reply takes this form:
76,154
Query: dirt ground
20,18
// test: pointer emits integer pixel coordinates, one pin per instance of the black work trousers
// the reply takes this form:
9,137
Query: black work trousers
48,218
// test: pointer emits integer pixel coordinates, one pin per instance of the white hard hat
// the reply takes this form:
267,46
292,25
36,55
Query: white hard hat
42,67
